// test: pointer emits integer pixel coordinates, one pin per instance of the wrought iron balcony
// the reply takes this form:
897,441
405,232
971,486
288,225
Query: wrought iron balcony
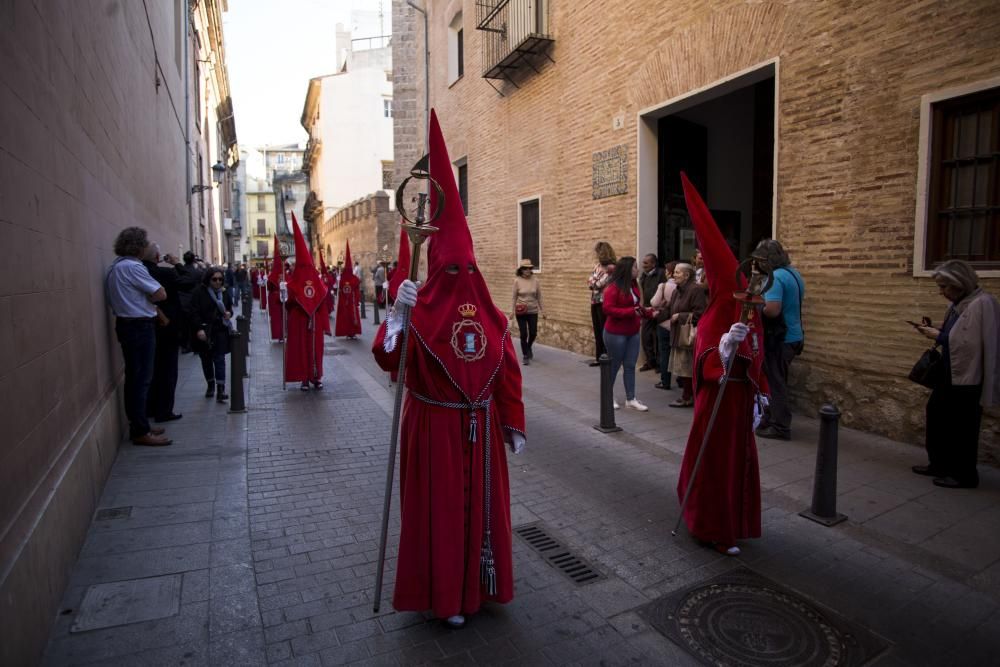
515,35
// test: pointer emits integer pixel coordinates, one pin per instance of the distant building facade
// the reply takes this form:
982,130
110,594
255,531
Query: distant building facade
861,138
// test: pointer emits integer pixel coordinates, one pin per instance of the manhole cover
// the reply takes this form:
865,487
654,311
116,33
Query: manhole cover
741,618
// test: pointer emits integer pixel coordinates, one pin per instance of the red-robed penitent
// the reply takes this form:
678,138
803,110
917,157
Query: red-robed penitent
725,498
327,279
463,396
306,310
348,321
274,279
401,273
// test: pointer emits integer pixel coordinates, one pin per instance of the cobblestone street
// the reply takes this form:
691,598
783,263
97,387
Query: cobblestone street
252,539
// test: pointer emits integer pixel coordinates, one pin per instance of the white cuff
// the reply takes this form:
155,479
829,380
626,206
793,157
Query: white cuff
393,327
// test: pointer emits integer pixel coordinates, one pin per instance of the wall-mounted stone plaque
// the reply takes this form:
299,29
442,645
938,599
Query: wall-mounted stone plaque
610,176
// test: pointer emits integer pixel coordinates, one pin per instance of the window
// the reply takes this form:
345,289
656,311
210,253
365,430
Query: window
281,158
963,191
456,49
387,175
387,107
262,248
261,227
462,168
529,231
261,204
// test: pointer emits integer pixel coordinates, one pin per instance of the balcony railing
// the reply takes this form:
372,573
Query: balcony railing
515,35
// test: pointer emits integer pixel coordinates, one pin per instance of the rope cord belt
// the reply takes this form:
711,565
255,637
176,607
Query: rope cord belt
487,566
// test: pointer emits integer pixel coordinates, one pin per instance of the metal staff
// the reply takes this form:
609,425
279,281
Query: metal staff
283,296
417,230
760,281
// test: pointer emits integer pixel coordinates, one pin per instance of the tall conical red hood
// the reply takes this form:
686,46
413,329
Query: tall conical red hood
348,302
720,271
305,285
322,264
455,316
277,264
348,265
402,271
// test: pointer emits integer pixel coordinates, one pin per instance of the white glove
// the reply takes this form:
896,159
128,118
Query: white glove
516,443
759,406
731,340
407,293
283,291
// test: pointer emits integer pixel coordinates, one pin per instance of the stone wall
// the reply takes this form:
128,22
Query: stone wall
407,88
90,142
369,225
849,83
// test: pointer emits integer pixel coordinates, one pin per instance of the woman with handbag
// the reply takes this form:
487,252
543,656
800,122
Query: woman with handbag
527,307
967,377
623,315
686,305
661,306
598,280
211,320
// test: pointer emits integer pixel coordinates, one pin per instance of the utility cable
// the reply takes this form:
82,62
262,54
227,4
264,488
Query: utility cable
160,74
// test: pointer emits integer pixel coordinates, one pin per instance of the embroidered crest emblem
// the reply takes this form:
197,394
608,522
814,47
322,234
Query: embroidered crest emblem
468,340
309,290
467,310
346,289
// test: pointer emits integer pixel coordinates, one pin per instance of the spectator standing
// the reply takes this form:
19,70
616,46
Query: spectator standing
169,321
190,277
131,293
623,314
649,281
211,312
783,336
970,377
379,280
527,306
242,284
598,280
698,262
661,306
231,282
686,305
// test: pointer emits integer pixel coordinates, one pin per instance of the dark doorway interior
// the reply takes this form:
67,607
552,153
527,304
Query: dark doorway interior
726,147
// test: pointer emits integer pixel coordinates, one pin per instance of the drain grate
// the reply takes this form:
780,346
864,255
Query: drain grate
113,513
557,554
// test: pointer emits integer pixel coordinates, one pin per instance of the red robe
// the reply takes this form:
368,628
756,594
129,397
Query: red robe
441,485
348,322
301,363
274,310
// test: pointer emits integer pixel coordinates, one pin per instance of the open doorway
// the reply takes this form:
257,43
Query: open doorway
723,137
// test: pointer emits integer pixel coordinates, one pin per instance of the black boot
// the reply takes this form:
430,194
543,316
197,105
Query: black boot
210,392
221,396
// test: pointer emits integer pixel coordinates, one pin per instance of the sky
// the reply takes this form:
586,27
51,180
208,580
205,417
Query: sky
273,48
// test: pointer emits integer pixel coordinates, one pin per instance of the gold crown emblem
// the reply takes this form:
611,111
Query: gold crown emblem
467,310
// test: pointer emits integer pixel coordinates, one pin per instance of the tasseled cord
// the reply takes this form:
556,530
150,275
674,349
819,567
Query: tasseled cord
487,568
473,427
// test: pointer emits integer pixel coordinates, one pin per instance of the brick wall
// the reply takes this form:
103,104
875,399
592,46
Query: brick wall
88,145
407,88
850,78
369,225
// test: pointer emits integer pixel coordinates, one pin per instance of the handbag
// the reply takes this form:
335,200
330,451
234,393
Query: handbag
687,333
520,308
929,369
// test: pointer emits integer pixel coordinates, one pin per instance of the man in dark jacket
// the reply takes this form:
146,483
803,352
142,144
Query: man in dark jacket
649,280
188,278
169,326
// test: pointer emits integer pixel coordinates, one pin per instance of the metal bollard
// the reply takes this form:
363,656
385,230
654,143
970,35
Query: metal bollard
247,303
237,366
607,424
375,308
824,501
364,315
243,326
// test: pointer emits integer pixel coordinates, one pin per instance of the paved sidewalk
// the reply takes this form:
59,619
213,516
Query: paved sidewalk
252,539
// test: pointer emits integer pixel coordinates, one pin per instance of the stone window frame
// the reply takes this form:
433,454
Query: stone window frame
457,166
520,248
927,102
456,48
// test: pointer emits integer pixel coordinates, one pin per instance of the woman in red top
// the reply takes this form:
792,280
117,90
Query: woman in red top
623,314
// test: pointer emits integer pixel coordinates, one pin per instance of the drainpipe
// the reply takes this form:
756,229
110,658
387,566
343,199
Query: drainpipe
187,120
427,75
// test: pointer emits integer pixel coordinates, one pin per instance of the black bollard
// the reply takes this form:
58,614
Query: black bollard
243,326
824,502
607,424
364,315
375,308
247,303
237,367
